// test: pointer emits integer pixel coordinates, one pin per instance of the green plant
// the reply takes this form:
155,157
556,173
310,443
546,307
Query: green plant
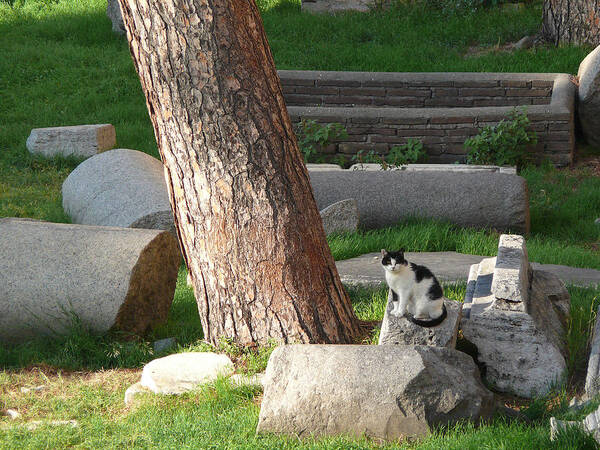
399,155
503,144
409,153
313,137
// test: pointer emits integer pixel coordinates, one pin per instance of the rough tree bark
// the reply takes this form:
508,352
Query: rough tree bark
247,221
572,22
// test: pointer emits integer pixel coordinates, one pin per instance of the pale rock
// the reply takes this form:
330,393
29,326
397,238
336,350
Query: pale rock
592,380
340,217
113,11
134,391
386,392
399,330
80,140
182,372
512,271
240,379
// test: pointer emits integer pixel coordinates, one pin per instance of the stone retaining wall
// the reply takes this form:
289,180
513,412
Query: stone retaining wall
381,110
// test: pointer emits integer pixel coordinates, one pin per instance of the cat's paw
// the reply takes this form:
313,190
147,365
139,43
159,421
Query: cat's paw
398,312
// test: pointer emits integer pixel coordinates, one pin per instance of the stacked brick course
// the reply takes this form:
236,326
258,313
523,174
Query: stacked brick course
381,110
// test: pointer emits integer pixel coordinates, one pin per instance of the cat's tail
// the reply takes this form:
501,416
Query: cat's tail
429,323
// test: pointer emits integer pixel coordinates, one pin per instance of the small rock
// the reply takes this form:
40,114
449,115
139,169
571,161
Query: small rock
560,425
182,372
164,344
400,330
340,217
577,405
113,11
525,43
80,140
25,390
597,221
240,379
55,423
133,391
12,413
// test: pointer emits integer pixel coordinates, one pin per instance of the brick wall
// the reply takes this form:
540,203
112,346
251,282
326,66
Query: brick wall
381,110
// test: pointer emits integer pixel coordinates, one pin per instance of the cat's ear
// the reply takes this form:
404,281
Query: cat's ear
384,253
401,253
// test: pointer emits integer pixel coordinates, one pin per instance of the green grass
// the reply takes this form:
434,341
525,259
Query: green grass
62,65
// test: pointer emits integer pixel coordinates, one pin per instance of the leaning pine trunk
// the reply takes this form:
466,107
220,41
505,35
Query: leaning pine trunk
247,221
575,22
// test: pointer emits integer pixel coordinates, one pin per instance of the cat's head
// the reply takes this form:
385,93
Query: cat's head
393,261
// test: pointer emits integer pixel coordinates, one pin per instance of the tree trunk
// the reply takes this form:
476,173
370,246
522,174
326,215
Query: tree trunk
247,221
575,22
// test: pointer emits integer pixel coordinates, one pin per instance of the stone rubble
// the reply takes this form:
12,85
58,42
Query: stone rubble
520,336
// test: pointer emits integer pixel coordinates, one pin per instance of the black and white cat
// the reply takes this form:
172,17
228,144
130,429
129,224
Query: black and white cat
416,291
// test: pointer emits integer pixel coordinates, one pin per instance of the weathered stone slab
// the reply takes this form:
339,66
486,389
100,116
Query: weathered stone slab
80,140
588,105
512,271
592,379
182,372
121,188
110,278
385,198
399,330
341,217
384,391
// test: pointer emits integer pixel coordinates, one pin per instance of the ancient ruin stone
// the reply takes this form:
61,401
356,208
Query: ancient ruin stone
400,330
106,277
383,391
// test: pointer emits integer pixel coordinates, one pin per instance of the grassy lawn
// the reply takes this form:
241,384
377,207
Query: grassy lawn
60,64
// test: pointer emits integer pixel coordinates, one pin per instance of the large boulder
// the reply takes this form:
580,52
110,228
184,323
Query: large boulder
109,278
477,199
518,323
384,391
399,330
81,141
120,188
588,105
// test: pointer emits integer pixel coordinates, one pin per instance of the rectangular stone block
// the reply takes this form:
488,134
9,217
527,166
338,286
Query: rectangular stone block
80,141
512,271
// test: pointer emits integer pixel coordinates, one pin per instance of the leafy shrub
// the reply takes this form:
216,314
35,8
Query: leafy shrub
504,144
399,155
313,137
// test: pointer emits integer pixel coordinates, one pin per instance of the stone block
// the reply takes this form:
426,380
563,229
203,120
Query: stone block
385,198
399,330
121,188
113,11
81,141
512,272
386,392
109,278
